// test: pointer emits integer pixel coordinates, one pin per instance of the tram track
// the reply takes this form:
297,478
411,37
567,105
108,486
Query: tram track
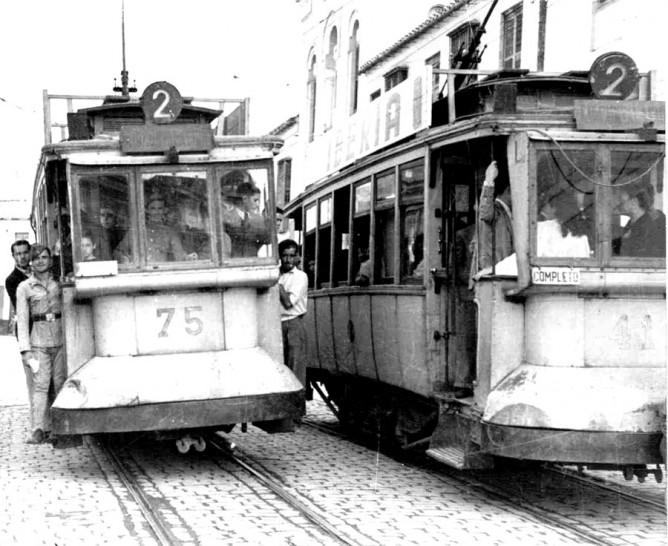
155,513
234,454
601,483
520,498
158,513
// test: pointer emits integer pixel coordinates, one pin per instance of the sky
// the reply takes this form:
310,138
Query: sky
206,48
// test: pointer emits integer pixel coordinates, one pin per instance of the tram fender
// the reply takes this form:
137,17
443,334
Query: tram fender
587,399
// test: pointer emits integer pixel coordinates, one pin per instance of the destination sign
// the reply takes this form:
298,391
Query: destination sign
161,138
555,275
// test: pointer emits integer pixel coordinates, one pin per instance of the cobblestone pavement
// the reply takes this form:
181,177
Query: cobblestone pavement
73,497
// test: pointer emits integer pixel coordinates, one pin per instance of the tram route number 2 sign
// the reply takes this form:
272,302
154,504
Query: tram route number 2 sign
555,275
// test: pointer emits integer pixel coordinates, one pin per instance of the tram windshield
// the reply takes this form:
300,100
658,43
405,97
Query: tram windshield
209,216
599,202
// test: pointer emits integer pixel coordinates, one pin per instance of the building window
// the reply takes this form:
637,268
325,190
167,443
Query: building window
511,33
395,77
311,95
435,62
374,95
331,77
460,40
354,64
284,181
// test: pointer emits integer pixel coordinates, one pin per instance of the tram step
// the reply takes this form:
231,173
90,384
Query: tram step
452,456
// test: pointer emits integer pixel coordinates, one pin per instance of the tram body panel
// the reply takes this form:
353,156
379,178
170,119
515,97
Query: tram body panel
323,331
501,327
360,312
555,330
343,345
625,332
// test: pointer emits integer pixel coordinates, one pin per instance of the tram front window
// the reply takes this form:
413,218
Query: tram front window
638,222
104,216
246,222
565,204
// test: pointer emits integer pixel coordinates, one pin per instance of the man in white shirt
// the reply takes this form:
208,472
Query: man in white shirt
293,287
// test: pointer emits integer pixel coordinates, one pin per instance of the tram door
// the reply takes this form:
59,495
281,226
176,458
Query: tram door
463,167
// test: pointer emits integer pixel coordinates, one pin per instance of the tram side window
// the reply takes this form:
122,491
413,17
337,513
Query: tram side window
308,261
637,219
341,235
362,275
411,187
104,218
384,241
565,204
246,220
324,242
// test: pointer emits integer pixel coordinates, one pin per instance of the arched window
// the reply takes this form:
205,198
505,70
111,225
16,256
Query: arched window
354,64
331,76
310,97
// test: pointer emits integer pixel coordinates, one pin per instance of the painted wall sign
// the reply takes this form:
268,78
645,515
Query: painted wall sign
555,275
396,114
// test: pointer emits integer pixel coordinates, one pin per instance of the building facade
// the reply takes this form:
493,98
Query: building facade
366,83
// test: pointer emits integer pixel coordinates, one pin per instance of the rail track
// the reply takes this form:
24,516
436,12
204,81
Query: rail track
546,493
159,515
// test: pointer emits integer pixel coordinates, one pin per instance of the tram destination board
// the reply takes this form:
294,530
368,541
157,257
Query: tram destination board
160,138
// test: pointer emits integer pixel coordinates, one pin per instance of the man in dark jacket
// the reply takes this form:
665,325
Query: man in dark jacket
21,254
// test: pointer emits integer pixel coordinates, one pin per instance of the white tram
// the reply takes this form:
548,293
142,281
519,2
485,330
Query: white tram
165,243
558,352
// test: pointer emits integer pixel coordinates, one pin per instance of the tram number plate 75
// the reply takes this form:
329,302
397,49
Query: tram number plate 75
194,325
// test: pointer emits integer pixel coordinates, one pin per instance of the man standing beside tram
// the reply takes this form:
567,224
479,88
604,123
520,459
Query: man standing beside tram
293,288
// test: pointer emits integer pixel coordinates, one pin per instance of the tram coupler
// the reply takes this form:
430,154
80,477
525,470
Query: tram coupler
66,442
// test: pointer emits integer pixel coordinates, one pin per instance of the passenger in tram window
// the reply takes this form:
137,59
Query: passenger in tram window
463,253
162,241
363,277
495,227
88,247
40,336
191,223
250,230
417,265
108,233
293,289
562,228
644,235
282,234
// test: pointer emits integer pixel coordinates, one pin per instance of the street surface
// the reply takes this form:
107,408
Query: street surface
76,497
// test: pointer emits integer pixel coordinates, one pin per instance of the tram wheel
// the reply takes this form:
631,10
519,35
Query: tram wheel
183,445
199,444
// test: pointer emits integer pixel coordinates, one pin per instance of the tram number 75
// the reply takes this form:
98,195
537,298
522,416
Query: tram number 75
194,325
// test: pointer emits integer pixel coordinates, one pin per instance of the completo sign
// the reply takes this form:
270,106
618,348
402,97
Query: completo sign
555,275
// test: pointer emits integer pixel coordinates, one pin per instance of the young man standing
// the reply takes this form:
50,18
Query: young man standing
293,286
38,301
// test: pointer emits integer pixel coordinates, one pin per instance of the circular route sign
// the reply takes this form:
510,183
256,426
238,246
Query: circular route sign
161,102
613,76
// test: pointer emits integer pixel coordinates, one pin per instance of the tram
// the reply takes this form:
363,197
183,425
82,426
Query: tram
553,351
164,238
